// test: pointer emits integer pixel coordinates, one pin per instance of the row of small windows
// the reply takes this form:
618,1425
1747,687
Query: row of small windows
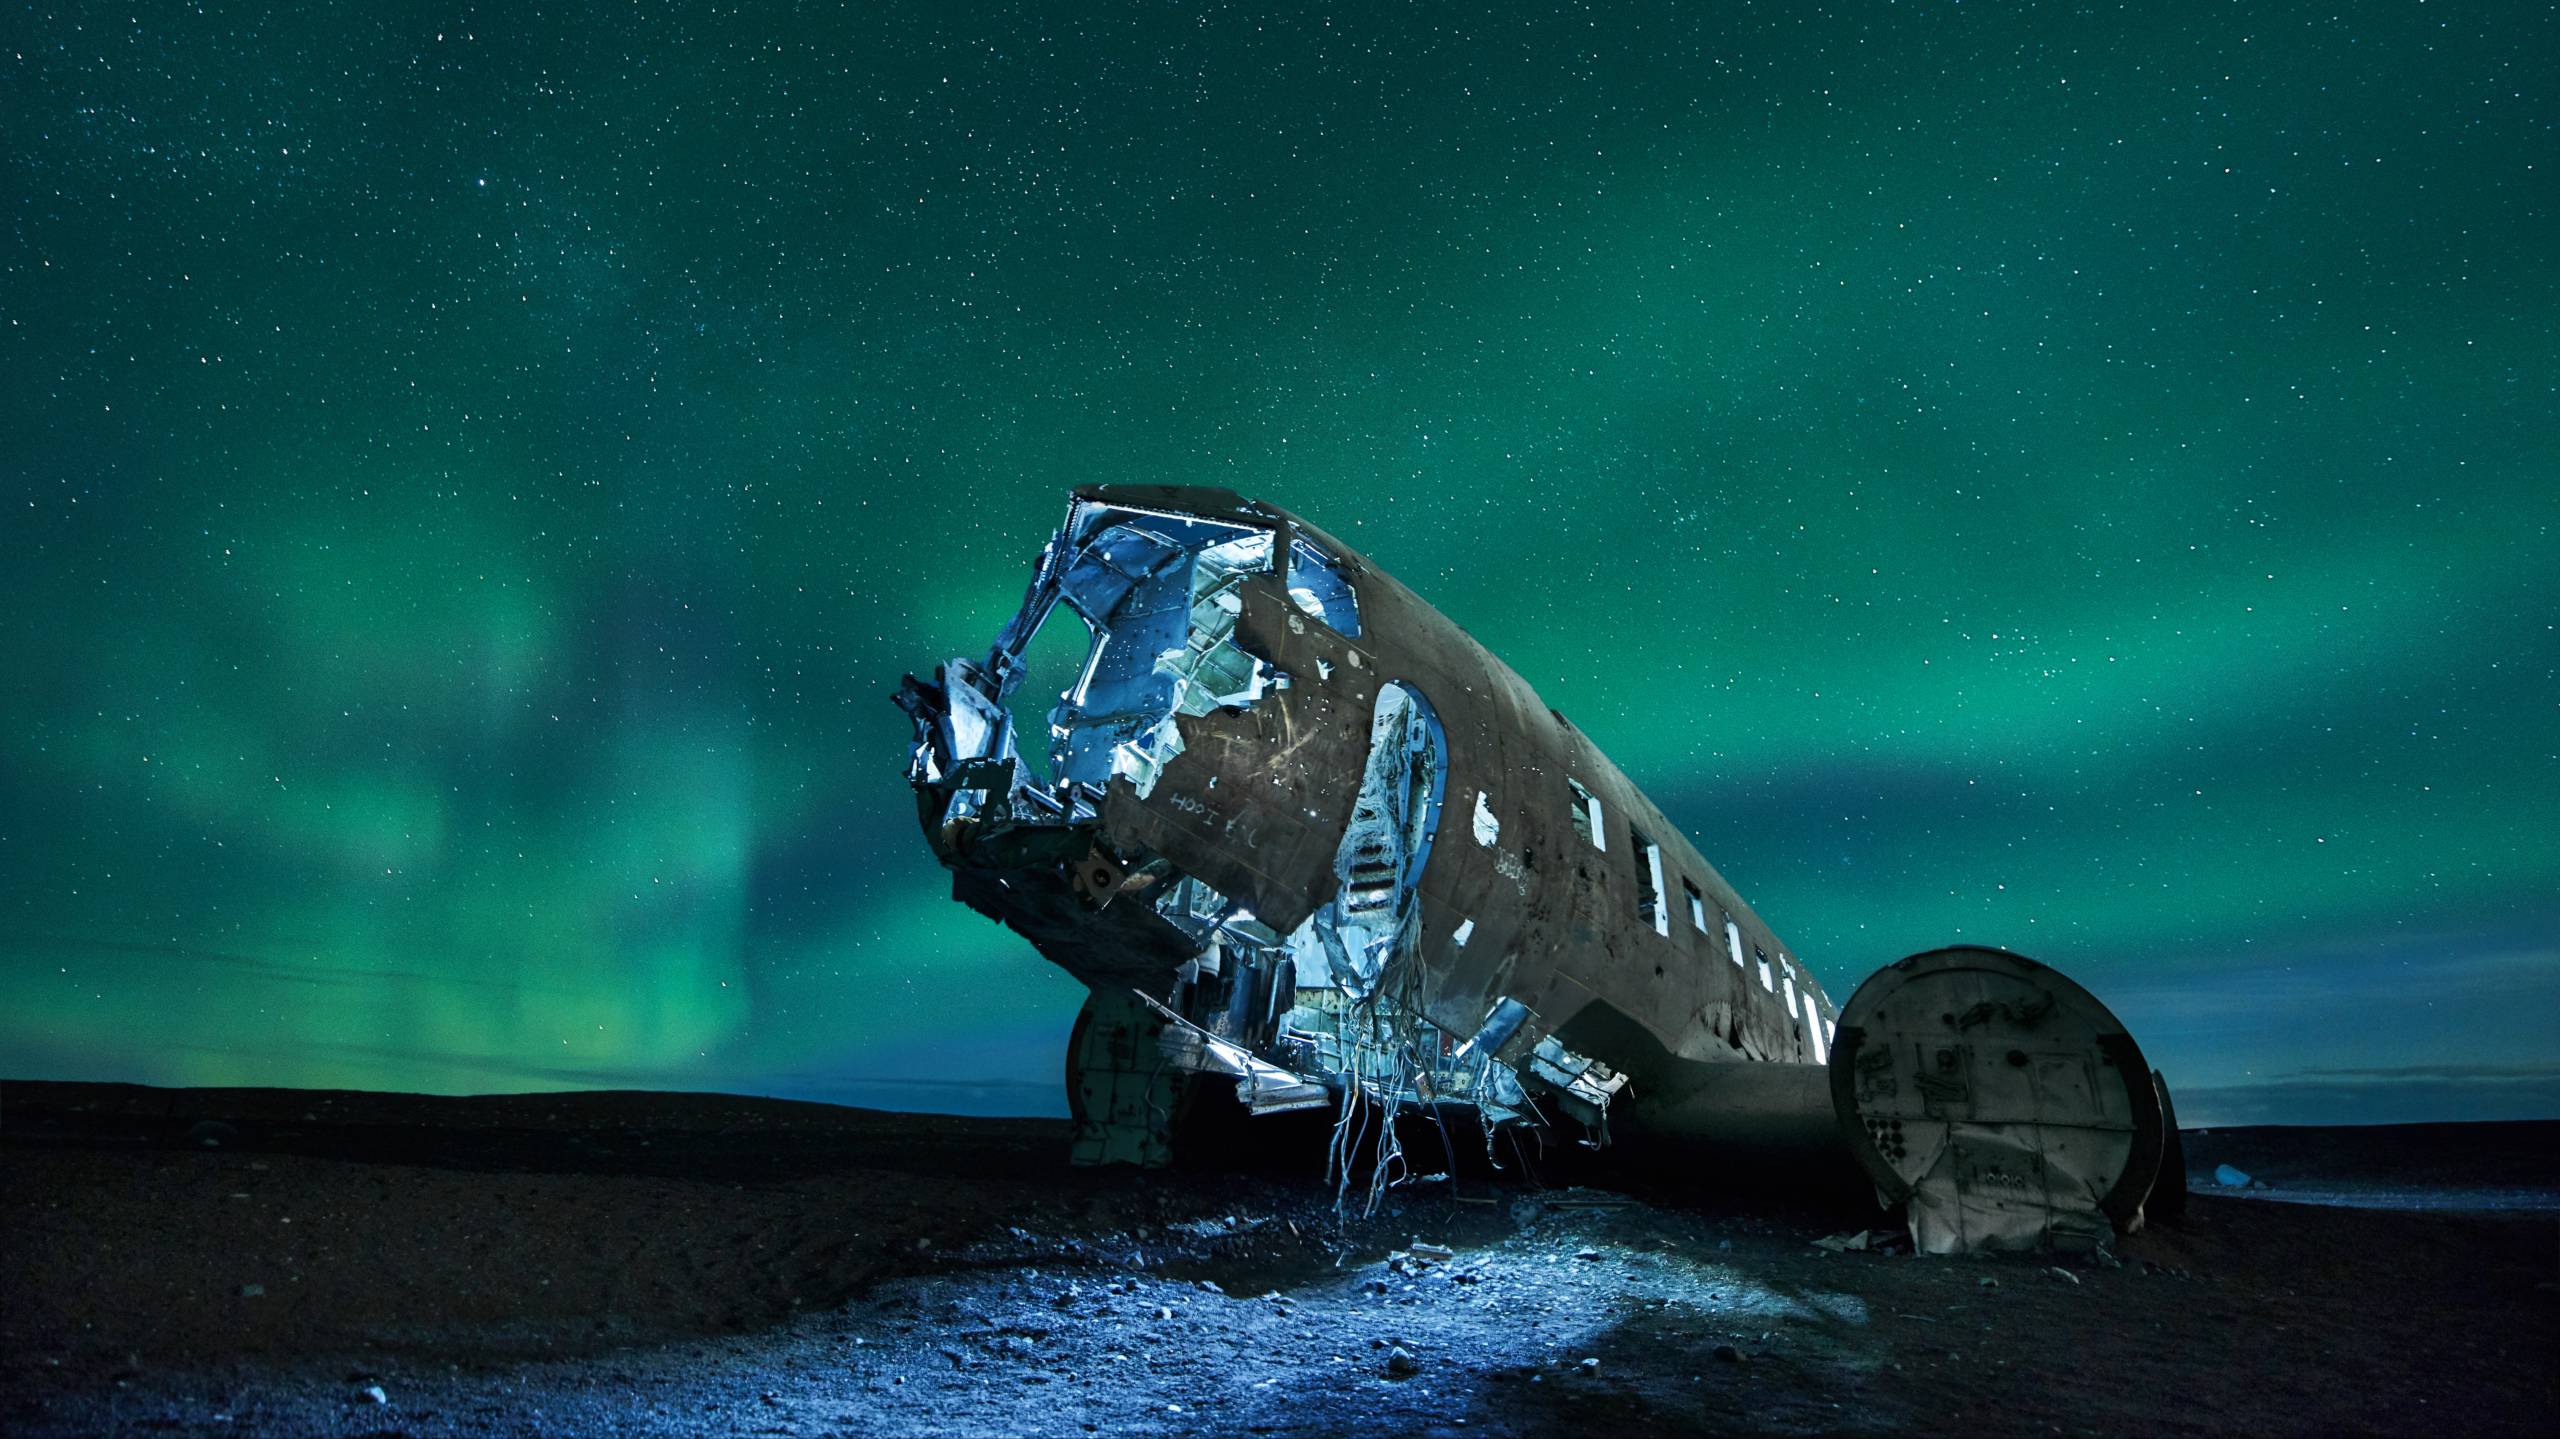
1653,908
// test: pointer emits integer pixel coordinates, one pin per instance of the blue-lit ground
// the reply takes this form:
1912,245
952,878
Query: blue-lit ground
704,1265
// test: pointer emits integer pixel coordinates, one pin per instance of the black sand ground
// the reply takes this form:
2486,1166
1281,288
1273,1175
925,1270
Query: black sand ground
262,1262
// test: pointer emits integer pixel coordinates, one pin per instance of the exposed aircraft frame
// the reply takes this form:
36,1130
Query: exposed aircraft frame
1300,830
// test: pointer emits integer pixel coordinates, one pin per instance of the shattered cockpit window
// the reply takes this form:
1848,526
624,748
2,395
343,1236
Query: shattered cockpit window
1160,597
1155,597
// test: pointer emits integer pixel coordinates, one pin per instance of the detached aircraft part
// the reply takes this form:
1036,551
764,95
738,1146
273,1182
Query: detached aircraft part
1998,1100
1300,834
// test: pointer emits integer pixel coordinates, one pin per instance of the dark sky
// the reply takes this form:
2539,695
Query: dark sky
2082,479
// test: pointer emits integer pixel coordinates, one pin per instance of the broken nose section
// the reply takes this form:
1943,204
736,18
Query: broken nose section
1023,853
1223,832
1153,601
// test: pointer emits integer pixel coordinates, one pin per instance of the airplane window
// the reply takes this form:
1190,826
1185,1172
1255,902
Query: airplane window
1316,586
1768,981
1586,817
1697,907
1813,1030
1649,884
1733,940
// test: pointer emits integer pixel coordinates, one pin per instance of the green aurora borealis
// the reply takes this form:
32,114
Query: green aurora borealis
2078,480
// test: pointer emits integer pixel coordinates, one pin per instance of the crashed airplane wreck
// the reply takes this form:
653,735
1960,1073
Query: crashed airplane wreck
1298,832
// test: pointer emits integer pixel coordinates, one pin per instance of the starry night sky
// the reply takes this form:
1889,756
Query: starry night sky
2078,479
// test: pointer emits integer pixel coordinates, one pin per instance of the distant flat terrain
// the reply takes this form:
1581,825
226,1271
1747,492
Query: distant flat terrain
287,1262
2509,1166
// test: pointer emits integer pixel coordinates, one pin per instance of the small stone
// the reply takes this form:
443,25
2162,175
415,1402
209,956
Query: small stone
1164,1312
1586,1254
1588,1367
1401,1364
1728,1354
1987,1282
253,1291
2058,1272
373,1393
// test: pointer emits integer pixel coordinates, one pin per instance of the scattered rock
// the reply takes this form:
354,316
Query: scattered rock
1987,1282
2058,1272
2230,1178
372,1394
1728,1354
211,1134
1588,1367
1587,1254
253,1291
1433,1253
1401,1364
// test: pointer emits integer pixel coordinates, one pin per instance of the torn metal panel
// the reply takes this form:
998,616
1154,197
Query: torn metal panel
1262,1087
